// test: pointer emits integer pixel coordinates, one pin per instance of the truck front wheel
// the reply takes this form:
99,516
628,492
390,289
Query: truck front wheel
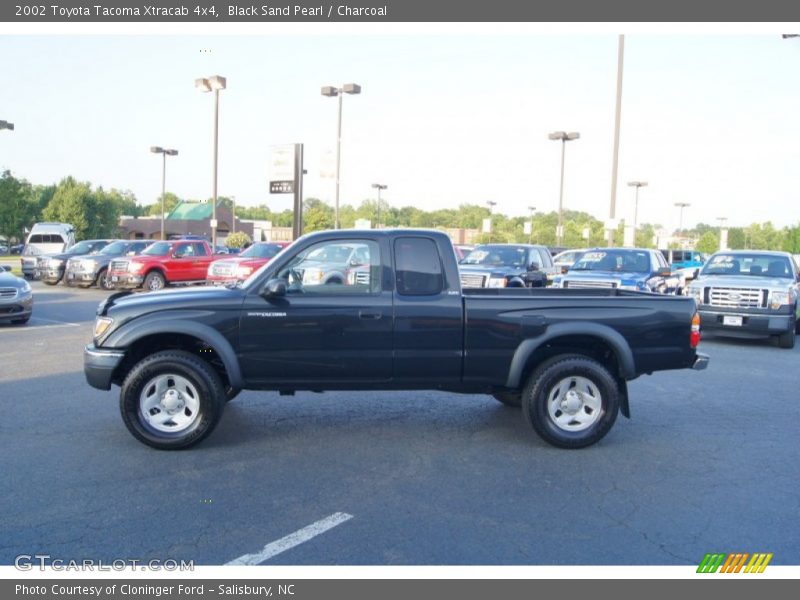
571,401
171,400
154,281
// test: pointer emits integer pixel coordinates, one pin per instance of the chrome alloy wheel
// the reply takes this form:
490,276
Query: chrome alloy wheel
169,403
574,404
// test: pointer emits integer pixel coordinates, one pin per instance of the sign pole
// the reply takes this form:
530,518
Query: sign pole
297,223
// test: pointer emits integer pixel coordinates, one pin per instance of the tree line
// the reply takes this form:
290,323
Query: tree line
95,213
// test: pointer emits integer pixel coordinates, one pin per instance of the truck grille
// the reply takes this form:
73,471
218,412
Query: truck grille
472,281
118,266
361,278
737,297
590,285
41,263
8,293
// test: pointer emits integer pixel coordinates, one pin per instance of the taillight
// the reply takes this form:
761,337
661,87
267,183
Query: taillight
694,337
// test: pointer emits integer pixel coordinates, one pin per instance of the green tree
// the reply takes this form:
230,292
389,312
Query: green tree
16,207
708,242
237,239
170,202
317,215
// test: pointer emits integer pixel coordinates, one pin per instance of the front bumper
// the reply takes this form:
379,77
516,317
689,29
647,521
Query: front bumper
99,365
760,323
17,308
127,282
73,277
49,275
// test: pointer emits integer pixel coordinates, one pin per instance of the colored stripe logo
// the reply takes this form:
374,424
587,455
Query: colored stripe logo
737,562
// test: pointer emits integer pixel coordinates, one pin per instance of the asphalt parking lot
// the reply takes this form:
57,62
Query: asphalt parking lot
709,463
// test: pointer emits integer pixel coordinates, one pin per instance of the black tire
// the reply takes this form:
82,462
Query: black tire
231,393
154,281
21,321
46,282
786,340
104,281
513,399
571,369
210,399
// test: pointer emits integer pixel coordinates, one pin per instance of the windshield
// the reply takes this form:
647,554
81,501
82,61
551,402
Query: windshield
115,248
261,251
158,249
497,256
629,261
755,265
87,247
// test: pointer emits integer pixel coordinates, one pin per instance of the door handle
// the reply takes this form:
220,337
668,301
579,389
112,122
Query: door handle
365,314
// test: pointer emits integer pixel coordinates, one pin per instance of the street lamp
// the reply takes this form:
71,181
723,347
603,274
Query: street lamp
637,185
564,137
6,125
530,233
213,84
379,187
164,152
330,92
681,205
722,246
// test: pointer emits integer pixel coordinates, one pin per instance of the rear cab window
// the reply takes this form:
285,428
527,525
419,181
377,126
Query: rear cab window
418,267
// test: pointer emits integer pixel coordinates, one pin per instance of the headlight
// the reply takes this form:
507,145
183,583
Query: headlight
778,299
88,265
636,286
496,282
313,275
26,287
243,271
55,263
135,267
696,293
101,325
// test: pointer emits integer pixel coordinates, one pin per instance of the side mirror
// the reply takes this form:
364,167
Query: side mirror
274,288
5,268
664,272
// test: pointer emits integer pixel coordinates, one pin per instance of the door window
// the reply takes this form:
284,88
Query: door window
341,267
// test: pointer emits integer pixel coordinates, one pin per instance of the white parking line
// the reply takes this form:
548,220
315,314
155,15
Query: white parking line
60,323
292,540
34,320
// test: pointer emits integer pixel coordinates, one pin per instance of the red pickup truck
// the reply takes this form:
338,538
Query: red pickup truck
164,263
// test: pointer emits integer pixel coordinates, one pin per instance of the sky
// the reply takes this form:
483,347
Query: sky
443,119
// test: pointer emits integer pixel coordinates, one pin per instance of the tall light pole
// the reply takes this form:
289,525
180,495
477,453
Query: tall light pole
233,214
530,233
379,187
564,137
637,185
164,152
332,91
612,213
681,206
6,125
214,84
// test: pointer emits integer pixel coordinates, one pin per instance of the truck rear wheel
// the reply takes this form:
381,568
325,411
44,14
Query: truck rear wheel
171,400
571,401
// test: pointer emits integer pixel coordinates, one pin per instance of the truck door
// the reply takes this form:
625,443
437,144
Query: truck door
325,329
427,315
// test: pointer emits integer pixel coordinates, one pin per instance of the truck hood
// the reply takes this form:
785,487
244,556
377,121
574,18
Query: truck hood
742,281
197,297
606,275
500,271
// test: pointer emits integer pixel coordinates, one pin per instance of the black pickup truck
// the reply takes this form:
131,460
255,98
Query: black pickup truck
399,320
